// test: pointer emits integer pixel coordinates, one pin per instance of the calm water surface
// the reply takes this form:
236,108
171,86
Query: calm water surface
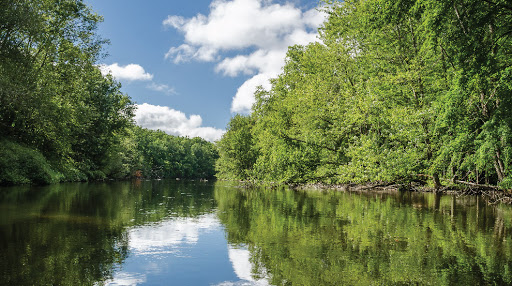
195,233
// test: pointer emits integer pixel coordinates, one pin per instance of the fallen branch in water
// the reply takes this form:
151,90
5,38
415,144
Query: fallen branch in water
477,185
491,193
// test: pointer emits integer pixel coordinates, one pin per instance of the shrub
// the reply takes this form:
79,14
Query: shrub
22,165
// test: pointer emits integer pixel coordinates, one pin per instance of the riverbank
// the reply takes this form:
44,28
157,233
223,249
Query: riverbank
492,194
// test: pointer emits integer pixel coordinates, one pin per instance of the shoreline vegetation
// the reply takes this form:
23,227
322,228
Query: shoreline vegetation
61,119
492,194
405,91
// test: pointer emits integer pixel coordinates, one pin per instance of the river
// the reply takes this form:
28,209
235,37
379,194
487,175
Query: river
215,233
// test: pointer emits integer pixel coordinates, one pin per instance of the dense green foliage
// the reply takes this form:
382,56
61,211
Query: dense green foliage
346,238
60,118
159,155
237,151
24,165
399,90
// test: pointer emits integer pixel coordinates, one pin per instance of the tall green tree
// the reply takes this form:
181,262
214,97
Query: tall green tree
398,90
53,97
475,40
160,155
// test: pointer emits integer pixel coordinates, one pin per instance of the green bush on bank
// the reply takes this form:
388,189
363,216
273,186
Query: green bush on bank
21,165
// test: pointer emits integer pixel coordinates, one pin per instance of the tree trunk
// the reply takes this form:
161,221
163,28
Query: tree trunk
498,165
437,183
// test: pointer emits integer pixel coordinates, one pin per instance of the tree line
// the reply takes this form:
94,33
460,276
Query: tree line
61,119
397,91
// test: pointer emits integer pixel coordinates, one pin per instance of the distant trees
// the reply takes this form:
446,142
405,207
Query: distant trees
55,102
160,155
398,90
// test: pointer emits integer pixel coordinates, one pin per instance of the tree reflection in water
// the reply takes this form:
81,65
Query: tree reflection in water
339,238
158,232
80,234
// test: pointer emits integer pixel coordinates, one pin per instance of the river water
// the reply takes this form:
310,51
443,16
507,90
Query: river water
204,233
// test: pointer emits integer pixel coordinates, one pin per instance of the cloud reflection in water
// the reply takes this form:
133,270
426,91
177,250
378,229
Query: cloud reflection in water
170,235
184,250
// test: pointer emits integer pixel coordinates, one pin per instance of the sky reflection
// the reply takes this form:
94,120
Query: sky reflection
170,235
184,251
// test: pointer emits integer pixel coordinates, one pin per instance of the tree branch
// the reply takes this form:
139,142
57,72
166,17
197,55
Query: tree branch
446,54
475,184
458,17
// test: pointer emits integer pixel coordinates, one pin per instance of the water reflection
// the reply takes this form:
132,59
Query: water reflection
58,235
172,250
336,238
240,258
168,236
193,233
125,278
109,233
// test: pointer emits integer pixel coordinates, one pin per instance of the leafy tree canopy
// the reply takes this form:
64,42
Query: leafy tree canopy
397,91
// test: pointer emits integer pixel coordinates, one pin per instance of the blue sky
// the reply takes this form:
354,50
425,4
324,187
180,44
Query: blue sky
191,65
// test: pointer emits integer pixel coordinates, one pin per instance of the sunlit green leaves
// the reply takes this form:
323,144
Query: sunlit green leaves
397,90
54,100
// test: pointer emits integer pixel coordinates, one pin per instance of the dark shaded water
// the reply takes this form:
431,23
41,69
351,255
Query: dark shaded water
193,233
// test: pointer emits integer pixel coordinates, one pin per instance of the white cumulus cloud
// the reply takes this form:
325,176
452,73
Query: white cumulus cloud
131,72
174,122
244,98
260,31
